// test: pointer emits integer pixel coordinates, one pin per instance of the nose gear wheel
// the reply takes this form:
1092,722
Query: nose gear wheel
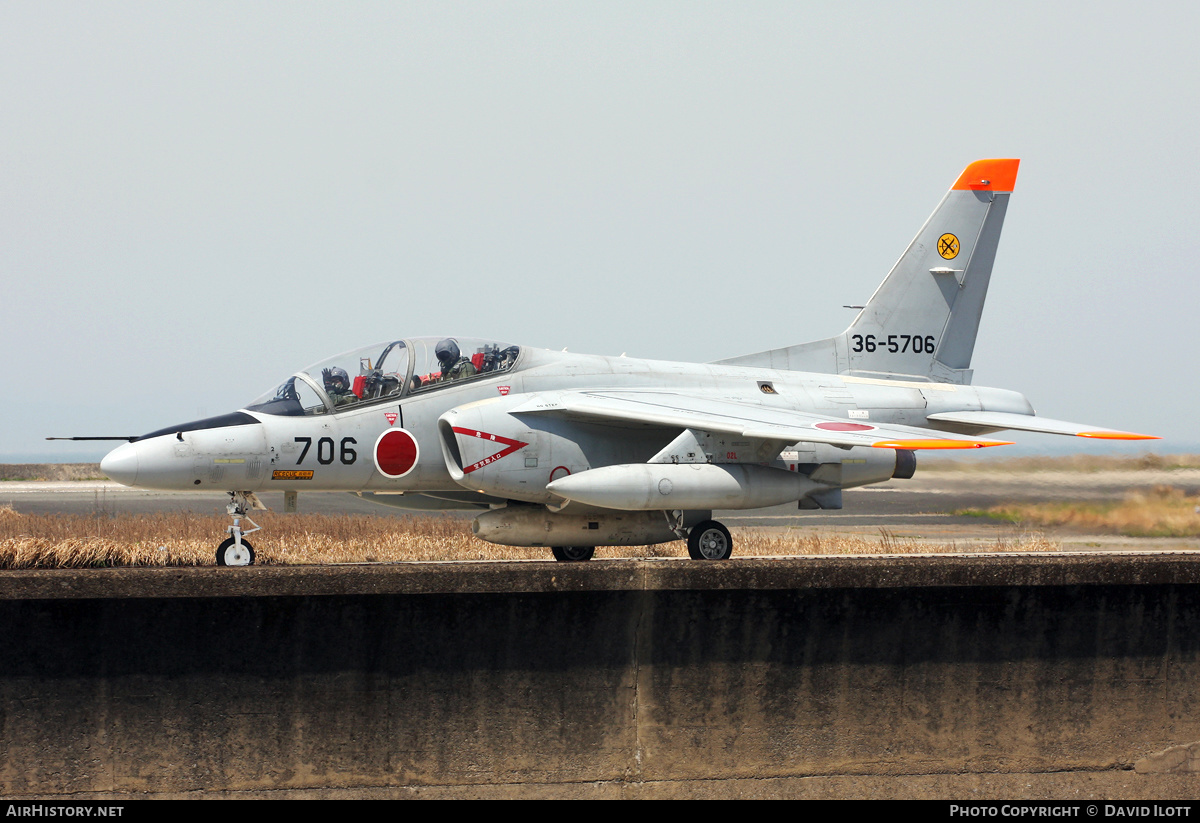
230,553
235,551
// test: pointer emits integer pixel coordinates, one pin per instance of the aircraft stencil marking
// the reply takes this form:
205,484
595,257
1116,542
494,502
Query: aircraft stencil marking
291,474
643,451
510,444
895,343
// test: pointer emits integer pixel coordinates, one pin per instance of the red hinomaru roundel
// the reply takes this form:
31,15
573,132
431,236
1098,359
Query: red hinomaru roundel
835,426
396,453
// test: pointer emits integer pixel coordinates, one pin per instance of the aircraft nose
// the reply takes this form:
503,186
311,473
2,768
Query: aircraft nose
121,464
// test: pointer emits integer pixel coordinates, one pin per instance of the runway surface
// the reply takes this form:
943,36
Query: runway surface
920,508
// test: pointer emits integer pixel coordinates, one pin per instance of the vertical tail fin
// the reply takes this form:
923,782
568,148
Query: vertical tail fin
922,320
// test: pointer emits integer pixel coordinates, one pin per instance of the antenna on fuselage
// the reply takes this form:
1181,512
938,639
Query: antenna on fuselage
115,437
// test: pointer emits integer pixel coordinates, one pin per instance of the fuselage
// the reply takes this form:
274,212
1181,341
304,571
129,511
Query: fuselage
347,447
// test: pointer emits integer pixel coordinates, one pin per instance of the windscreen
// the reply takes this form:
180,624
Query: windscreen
372,374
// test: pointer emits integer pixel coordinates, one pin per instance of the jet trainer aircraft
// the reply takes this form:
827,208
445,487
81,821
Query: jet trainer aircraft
574,451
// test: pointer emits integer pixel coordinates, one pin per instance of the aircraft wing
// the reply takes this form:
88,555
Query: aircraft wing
749,420
986,421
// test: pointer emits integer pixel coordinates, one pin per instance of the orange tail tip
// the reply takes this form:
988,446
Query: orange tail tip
940,444
1120,436
989,175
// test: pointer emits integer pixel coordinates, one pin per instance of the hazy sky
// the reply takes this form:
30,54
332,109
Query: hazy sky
198,199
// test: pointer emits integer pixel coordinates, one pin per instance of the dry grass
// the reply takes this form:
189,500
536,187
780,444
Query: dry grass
51,471
1163,511
776,543
1063,463
81,541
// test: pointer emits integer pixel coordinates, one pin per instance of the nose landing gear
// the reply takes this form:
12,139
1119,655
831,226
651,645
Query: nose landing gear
235,551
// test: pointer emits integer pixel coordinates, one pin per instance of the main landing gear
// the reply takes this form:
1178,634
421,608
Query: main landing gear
573,554
235,551
709,540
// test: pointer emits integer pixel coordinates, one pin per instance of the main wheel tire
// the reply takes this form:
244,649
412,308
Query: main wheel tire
573,554
710,541
228,554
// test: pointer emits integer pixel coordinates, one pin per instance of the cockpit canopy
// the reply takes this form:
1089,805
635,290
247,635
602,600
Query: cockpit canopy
386,372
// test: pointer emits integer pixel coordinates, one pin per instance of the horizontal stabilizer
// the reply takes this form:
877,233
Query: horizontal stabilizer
992,421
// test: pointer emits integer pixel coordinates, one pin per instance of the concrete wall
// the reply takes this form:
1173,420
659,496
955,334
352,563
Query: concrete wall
938,677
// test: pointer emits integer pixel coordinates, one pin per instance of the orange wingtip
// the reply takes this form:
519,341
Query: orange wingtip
940,444
1120,436
989,175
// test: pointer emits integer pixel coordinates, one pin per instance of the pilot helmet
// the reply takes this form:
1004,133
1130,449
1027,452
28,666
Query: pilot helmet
447,353
335,375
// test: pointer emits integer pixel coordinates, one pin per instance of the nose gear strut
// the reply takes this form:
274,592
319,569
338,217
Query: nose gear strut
235,551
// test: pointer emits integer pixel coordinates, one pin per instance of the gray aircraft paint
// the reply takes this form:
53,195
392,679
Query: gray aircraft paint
581,437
